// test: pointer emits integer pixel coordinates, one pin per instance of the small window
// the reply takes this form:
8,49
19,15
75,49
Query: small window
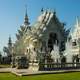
74,44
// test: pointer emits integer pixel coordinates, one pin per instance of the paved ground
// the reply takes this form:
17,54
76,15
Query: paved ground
5,69
26,72
23,72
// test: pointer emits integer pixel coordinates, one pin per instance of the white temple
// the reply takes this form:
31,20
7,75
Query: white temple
73,43
47,40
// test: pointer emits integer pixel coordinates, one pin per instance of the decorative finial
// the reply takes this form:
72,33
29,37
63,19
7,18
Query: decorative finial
26,20
77,21
64,24
54,12
42,10
9,41
26,9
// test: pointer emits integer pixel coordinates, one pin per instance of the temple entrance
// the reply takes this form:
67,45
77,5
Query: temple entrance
52,40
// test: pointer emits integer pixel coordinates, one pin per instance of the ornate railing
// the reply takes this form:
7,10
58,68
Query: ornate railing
59,66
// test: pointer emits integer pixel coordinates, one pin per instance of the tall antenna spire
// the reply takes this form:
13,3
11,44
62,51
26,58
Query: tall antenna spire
26,20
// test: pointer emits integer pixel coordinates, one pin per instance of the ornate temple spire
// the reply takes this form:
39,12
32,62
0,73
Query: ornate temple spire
77,21
26,20
76,31
9,41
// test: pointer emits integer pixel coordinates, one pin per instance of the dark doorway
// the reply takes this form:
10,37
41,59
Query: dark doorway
52,40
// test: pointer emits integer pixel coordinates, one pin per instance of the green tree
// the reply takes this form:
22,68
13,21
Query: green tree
0,57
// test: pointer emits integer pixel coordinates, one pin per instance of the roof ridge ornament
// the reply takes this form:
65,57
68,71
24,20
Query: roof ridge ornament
54,12
42,10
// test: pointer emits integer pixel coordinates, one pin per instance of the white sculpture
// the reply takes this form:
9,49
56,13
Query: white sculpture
55,54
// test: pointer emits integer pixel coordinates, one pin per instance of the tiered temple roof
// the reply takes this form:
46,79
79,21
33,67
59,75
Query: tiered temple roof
42,22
